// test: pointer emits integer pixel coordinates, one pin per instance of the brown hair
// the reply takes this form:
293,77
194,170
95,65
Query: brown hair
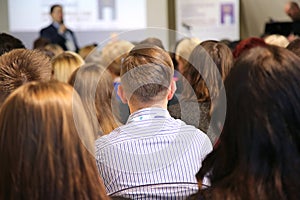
258,155
200,71
20,66
43,147
65,64
146,72
54,48
9,42
86,50
95,87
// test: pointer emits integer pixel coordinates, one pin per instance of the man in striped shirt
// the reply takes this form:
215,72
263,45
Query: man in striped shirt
153,156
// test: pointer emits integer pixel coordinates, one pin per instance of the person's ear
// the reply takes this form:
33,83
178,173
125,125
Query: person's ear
172,90
122,94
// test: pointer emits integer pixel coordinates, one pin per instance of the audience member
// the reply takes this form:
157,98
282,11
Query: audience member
278,40
152,148
41,125
9,42
40,43
111,57
258,154
20,66
65,64
57,32
247,44
183,51
153,41
86,50
206,69
95,87
54,48
294,46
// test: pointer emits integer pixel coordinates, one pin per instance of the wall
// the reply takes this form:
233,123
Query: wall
255,13
3,16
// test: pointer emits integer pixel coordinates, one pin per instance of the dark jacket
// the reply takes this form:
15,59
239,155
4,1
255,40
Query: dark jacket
51,33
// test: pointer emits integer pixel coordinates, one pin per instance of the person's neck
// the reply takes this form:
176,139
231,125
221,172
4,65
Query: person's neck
135,106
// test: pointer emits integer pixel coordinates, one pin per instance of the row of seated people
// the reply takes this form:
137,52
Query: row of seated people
65,141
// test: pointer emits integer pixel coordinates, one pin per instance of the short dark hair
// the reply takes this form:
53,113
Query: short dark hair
54,6
9,42
146,72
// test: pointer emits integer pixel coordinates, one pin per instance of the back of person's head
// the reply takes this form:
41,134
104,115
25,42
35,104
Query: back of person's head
65,64
278,40
40,43
258,154
247,44
294,46
86,50
146,73
292,9
54,6
45,143
95,88
153,41
209,65
183,50
55,48
9,42
113,53
20,66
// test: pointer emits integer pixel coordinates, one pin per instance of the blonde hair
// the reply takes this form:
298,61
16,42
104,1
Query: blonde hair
277,40
65,64
44,152
184,48
95,87
113,53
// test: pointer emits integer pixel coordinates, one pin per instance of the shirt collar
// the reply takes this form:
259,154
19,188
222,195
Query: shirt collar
55,24
148,113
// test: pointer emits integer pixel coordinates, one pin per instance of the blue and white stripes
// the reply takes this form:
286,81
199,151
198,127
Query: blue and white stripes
152,148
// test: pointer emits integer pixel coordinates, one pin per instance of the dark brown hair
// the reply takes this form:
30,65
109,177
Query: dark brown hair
209,65
44,136
258,155
9,42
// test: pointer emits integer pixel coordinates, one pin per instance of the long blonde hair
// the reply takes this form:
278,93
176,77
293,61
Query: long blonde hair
94,85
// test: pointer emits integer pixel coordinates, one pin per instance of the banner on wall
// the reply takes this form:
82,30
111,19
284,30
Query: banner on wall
208,19
90,15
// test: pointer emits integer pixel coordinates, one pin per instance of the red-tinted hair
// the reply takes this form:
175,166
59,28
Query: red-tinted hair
247,44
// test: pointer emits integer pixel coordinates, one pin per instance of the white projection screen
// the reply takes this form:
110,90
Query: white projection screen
91,20
208,19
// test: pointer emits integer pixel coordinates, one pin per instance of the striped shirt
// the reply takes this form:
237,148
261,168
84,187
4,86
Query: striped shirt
153,156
